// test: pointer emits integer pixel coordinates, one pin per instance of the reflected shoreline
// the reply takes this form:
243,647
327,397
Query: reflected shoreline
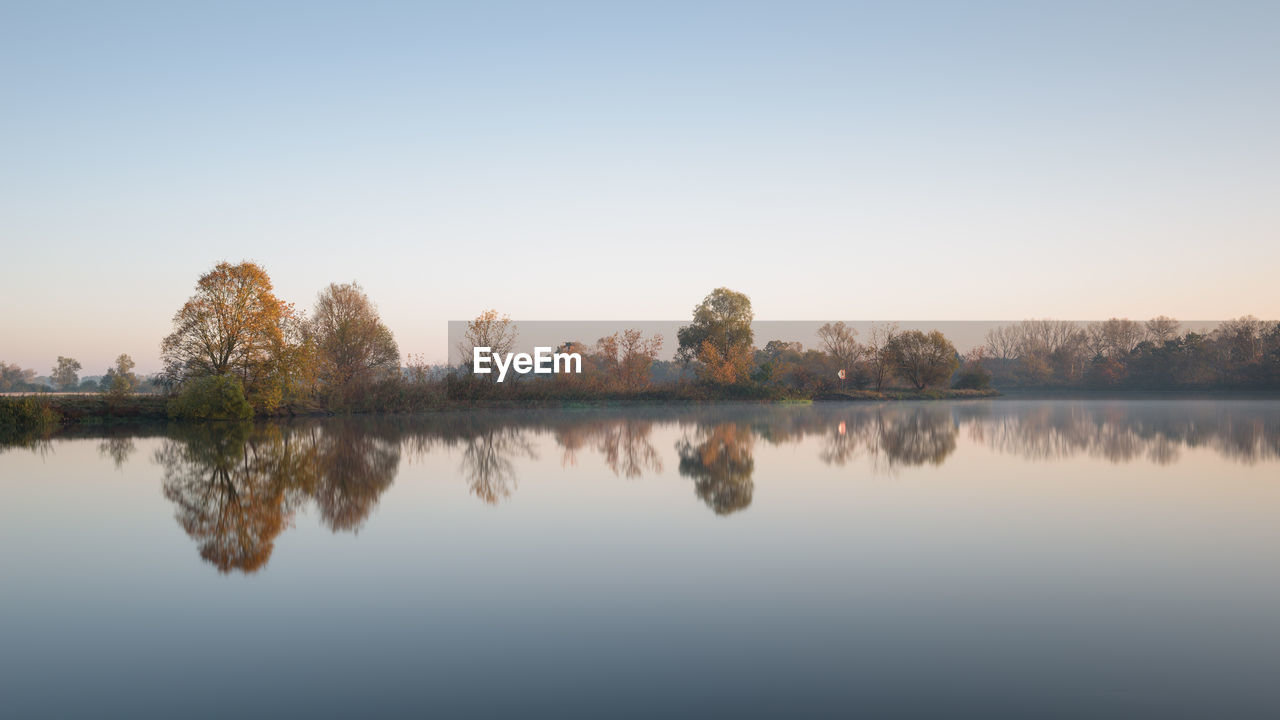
235,487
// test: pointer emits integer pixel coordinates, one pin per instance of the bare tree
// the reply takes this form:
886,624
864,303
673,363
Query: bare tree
1115,337
1002,342
1241,339
840,342
1095,340
879,363
1162,329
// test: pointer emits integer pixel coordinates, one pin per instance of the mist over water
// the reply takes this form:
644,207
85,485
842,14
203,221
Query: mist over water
1113,557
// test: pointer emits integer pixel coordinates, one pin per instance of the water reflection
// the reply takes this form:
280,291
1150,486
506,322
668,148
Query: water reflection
1121,432
624,443
235,488
890,438
229,485
719,460
117,448
487,461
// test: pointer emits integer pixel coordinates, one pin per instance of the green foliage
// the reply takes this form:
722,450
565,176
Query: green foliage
923,359
723,319
213,397
66,373
120,380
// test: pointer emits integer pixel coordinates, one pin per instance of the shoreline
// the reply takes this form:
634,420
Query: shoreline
65,409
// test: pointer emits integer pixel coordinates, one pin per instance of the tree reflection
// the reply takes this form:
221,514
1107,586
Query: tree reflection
487,462
719,460
354,467
118,448
237,486
890,436
623,443
1122,432
627,449
921,436
228,497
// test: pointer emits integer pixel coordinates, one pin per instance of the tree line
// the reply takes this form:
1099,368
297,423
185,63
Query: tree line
237,350
118,380
1159,354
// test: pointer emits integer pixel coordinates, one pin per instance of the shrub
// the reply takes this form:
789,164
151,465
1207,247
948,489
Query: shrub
213,397
972,378
20,417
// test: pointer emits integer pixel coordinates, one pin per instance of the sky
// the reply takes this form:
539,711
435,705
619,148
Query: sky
618,160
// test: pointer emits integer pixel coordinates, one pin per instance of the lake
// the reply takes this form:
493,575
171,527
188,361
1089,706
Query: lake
988,558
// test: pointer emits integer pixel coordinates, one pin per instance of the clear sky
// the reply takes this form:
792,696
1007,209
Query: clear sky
603,160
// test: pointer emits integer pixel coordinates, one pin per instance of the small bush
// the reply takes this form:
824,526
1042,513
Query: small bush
214,397
972,378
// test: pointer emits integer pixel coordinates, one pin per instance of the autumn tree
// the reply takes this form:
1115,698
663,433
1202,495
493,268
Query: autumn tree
725,369
922,359
626,358
120,379
66,374
720,336
490,330
353,347
234,325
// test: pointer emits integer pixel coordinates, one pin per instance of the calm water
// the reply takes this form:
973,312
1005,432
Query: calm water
995,558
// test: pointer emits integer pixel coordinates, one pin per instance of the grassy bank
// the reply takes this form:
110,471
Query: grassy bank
41,413
27,418
24,420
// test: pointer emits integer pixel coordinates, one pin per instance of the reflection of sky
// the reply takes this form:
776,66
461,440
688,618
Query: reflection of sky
990,580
